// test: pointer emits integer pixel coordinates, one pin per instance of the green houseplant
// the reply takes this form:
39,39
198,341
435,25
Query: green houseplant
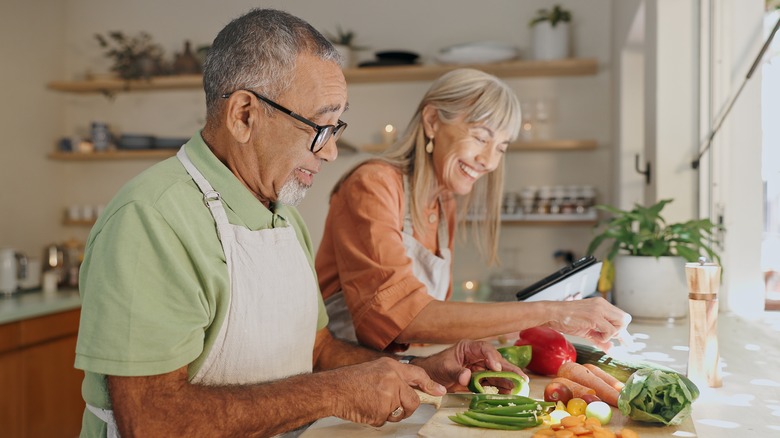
642,231
134,57
555,15
649,256
344,41
550,33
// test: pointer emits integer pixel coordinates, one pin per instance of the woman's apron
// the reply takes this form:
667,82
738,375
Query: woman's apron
270,326
430,269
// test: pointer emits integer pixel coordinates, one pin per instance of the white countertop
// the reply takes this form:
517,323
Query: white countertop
748,403
35,303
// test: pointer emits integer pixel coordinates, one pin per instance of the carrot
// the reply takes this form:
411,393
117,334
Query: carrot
583,376
611,380
577,390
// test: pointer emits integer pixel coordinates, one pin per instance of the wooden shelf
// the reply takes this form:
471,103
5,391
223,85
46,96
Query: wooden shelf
521,68
590,217
78,223
405,73
521,146
114,85
553,145
142,154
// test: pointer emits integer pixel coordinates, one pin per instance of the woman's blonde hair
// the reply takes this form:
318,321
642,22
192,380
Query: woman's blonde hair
478,97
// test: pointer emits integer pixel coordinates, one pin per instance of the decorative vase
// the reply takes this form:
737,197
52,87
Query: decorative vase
550,42
650,287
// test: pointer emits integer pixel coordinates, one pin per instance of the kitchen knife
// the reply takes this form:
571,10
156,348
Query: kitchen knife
454,399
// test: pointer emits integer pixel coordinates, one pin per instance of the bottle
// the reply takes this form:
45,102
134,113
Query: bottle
100,136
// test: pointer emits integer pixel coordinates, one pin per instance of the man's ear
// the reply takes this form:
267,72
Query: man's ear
430,121
238,115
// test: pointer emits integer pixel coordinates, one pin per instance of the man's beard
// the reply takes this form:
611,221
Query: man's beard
292,192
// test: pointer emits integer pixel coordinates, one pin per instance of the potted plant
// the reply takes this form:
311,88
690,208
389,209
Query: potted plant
344,41
134,57
649,256
550,28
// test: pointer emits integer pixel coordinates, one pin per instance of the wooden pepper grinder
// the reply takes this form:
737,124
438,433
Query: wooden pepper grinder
703,356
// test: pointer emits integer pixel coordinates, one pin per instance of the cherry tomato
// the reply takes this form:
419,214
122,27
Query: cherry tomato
556,391
590,398
576,406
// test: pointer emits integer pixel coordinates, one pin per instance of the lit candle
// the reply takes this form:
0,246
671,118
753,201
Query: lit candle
470,286
389,134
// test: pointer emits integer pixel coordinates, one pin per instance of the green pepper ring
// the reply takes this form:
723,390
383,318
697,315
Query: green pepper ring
520,388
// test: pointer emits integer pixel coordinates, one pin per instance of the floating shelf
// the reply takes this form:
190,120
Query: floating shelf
405,73
590,217
145,154
78,223
520,146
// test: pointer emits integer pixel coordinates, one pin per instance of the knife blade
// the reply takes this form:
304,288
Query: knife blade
454,399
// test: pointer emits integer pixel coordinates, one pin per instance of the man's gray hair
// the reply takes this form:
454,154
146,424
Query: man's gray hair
258,51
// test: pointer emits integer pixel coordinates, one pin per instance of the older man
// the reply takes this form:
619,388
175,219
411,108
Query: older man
201,313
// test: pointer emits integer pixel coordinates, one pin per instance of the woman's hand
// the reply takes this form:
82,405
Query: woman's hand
453,366
594,319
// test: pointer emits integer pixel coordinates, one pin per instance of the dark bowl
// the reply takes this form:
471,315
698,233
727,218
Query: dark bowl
400,56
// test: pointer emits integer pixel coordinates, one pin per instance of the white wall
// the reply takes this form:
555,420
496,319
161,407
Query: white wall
32,49
67,50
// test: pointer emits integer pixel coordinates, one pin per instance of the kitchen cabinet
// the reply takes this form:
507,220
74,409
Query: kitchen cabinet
41,391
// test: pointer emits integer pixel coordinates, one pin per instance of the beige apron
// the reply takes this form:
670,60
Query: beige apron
430,269
271,323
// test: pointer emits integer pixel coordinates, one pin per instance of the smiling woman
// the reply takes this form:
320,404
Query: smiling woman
385,261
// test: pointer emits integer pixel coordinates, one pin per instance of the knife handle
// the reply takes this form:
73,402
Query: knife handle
428,399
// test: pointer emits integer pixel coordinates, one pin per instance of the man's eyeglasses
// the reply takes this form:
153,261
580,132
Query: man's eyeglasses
324,133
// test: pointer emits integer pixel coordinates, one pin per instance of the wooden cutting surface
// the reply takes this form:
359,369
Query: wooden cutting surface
440,426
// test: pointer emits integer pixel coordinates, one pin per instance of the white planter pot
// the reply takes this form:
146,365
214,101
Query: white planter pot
346,55
649,287
550,42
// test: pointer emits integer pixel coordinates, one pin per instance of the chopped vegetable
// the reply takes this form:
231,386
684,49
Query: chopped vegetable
519,356
600,411
549,349
503,412
657,396
520,385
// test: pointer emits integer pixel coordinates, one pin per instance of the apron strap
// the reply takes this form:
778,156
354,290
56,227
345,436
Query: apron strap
107,415
442,234
211,197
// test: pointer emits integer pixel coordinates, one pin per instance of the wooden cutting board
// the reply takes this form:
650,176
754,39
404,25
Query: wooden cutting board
441,426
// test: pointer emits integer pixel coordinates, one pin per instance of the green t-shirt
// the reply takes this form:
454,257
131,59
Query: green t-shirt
154,283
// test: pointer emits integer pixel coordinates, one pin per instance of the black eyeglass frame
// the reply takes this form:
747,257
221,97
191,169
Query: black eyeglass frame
323,132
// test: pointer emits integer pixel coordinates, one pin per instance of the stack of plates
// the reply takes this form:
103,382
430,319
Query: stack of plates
477,53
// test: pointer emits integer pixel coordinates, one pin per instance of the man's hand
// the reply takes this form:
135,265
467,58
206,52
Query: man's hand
373,392
594,319
453,367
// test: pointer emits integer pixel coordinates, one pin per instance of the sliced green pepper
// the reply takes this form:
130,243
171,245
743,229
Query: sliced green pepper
519,356
460,418
517,410
476,386
529,420
491,400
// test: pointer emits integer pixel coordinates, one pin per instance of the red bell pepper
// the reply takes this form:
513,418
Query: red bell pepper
550,350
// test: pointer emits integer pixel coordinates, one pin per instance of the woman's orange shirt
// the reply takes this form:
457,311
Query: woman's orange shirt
362,253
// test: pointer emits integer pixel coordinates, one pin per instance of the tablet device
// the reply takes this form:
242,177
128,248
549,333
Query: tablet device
577,280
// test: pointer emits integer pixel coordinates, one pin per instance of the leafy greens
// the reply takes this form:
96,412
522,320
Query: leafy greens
657,396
